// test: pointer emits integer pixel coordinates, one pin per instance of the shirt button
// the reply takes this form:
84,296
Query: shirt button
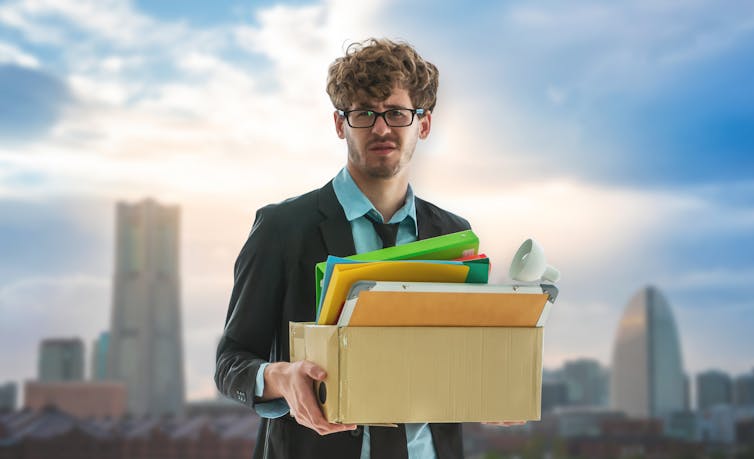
356,432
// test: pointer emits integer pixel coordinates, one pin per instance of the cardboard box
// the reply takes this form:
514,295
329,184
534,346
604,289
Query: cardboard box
384,375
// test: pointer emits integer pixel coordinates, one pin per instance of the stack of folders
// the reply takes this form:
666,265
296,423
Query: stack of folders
463,245
448,258
440,281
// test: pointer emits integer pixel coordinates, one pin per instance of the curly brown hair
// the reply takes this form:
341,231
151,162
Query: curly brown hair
372,68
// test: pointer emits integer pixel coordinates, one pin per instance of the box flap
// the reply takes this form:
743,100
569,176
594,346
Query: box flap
374,308
319,344
296,341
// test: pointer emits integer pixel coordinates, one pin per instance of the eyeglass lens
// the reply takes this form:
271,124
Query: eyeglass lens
398,117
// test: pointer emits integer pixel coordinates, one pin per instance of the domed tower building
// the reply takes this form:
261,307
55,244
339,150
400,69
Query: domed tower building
647,378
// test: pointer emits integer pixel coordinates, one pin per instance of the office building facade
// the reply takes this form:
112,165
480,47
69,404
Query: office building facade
743,390
647,378
145,347
713,388
99,357
587,382
61,359
8,397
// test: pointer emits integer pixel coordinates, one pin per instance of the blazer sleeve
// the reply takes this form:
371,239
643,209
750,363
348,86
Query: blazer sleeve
254,312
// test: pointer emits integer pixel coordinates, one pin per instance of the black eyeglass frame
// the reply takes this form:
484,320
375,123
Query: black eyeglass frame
414,112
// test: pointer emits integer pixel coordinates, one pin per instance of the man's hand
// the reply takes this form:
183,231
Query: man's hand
295,383
505,423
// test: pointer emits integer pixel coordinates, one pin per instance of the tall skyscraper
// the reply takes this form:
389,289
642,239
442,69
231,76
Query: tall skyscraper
146,351
99,357
713,388
61,359
647,378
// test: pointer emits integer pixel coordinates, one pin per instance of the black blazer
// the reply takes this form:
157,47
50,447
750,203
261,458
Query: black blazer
274,284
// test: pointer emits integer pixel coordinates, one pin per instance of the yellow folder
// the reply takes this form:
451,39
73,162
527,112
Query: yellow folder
408,271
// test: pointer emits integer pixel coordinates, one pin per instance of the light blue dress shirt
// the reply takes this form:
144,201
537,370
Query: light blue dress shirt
356,206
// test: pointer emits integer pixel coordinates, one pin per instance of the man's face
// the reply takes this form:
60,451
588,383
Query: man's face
382,151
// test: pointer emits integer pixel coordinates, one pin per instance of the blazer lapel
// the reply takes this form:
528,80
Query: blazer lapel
428,223
335,229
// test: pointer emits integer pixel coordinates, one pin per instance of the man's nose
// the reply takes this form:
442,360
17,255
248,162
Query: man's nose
380,126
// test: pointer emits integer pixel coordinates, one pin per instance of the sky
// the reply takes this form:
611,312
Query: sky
619,135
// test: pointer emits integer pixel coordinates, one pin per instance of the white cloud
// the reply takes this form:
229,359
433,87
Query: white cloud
583,227
112,21
13,15
719,278
13,55
95,90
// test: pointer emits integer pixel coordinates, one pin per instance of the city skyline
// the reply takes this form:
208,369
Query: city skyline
585,372
624,150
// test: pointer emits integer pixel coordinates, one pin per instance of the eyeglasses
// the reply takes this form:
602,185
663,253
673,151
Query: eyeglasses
395,117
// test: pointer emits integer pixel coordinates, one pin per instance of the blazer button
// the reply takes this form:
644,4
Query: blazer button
356,432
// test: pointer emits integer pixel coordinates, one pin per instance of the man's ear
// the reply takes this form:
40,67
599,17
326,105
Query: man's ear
339,128
425,125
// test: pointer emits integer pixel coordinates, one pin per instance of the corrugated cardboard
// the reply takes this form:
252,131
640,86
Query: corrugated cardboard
381,375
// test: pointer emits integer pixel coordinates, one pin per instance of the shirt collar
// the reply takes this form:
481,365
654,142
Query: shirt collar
356,204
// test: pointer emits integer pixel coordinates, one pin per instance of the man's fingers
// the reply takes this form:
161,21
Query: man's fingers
319,424
309,411
309,414
303,405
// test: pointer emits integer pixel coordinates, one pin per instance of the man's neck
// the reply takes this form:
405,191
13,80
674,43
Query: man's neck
387,195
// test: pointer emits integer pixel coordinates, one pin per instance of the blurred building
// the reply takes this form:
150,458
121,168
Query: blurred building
215,407
99,357
745,431
61,359
587,382
647,378
554,394
686,392
683,425
713,387
145,348
578,421
743,390
50,433
717,424
79,399
8,396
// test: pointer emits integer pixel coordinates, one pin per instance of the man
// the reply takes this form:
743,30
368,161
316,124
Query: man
384,94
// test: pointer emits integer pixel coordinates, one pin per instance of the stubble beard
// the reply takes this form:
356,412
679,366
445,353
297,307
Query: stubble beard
386,167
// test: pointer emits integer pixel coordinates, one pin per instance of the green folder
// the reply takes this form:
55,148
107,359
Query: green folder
446,247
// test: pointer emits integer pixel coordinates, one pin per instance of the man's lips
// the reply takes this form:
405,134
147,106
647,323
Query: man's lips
382,147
